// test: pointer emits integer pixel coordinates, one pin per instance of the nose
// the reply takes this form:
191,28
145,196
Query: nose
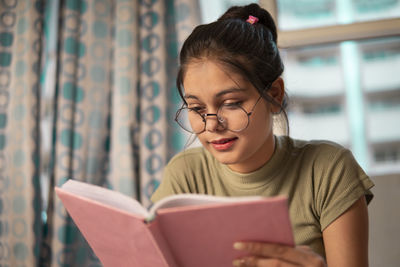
211,122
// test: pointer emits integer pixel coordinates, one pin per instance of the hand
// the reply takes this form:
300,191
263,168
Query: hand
265,254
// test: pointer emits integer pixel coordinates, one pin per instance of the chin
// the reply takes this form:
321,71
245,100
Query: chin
225,157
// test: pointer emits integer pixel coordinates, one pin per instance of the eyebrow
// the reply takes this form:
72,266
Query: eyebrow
219,94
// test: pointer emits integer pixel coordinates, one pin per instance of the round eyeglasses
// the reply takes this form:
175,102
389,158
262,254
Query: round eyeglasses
231,117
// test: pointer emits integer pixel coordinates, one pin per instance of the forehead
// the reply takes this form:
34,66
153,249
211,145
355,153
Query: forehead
210,76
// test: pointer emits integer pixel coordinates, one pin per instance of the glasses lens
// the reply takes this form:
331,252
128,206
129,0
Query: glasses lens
233,118
190,120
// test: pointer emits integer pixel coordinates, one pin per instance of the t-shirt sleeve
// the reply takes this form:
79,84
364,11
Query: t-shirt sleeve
342,183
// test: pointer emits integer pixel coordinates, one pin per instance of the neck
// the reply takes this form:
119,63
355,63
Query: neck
261,157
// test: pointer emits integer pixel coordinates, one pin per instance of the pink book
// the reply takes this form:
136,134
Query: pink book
184,230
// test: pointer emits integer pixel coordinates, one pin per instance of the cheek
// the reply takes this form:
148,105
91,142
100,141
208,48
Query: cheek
258,131
201,137
261,123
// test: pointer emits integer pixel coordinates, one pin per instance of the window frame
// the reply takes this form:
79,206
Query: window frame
332,34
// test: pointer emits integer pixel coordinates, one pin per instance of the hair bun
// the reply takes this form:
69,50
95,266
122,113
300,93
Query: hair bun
243,13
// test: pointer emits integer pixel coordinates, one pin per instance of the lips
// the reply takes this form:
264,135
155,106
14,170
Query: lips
224,143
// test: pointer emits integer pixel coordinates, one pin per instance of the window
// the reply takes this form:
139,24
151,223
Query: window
302,14
388,154
342,59
212,10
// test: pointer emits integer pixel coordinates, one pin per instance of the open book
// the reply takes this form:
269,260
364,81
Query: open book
179,231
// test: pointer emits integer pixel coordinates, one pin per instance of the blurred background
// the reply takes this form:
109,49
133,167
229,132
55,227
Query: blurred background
87,92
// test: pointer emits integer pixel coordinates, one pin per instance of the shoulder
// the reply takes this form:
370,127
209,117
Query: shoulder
180,172
325,162
191,156
192,153
312,146
331,175
190,161
321,151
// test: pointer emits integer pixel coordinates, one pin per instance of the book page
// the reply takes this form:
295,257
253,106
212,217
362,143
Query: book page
183,200
105,196
203,235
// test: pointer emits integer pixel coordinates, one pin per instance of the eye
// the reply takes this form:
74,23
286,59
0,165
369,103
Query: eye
235,104
198,109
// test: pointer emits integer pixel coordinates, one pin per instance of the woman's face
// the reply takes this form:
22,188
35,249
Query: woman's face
208,85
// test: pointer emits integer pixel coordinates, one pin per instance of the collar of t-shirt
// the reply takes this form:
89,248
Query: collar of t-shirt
261,176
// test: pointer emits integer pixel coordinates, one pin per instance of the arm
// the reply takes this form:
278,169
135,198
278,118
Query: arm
345,240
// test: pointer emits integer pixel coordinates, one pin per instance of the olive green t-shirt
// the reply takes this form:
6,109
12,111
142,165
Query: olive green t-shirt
321,179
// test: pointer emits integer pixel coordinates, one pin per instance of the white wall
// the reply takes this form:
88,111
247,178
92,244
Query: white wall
384,214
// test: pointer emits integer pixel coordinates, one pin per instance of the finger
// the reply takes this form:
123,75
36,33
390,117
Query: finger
306,248
261,262
296,255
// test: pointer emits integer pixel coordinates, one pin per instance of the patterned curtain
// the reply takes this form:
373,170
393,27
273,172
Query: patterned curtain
87,92
20,201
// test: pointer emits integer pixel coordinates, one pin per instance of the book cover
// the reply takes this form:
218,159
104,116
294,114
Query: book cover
181,231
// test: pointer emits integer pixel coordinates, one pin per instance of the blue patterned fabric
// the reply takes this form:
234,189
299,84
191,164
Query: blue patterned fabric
93,98
20,201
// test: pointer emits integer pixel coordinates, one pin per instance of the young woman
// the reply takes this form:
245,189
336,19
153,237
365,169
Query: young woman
230,82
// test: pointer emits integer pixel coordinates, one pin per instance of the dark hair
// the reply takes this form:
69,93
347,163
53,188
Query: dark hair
248,49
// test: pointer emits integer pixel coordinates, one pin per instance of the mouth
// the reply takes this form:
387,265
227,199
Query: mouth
223,144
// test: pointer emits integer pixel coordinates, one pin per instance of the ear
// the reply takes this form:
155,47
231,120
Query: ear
277,92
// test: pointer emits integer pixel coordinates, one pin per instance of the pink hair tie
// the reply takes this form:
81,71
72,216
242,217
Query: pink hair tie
252,19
